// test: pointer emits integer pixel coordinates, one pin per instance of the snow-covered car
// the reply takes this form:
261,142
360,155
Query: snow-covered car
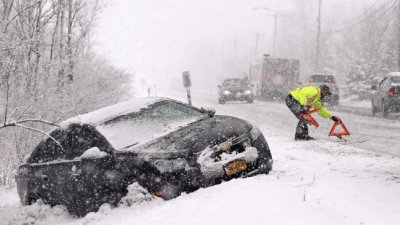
386,97
330,81
165,146
235,90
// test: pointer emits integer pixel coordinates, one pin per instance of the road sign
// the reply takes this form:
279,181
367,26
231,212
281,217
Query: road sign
187,82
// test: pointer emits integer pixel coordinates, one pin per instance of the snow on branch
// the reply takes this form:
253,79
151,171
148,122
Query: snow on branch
17,123
40,131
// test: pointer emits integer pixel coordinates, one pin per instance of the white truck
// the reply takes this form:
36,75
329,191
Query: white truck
278,77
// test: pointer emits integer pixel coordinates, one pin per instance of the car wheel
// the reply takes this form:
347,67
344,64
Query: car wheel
385,109
29,198
250,101
221,101
373,109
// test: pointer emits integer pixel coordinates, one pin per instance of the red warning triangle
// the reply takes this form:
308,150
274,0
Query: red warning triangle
310,119
339,131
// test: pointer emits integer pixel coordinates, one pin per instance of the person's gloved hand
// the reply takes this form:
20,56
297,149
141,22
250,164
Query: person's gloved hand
334,118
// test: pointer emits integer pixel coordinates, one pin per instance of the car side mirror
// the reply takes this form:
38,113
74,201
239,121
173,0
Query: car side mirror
93,153
209,111
374,87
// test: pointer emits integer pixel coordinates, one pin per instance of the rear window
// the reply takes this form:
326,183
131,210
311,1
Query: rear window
322,79
75,140
396,80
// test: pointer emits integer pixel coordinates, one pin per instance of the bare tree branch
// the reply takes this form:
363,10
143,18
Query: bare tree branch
16,123
40,131
18,14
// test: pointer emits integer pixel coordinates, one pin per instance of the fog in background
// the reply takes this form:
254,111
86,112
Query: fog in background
156,40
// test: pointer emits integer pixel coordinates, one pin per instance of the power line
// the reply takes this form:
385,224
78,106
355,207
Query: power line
379,9
357,17
383,9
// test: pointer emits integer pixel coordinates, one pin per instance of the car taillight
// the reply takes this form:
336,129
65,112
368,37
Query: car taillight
392,92
16,179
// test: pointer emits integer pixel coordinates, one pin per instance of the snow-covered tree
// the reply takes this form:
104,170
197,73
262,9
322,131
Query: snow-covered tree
48,72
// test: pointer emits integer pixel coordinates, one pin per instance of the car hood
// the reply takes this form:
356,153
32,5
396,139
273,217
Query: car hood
191,139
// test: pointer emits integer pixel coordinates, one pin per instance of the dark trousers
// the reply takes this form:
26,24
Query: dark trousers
296,108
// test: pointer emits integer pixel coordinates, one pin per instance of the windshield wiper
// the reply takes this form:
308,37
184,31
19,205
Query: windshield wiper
131,145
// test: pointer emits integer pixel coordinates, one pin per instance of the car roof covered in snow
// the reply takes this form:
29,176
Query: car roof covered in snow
110,112
394,74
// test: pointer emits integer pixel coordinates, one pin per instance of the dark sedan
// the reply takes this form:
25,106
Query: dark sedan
166,146
386,97
235,90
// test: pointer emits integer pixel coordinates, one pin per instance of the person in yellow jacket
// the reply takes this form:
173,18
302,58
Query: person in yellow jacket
300,99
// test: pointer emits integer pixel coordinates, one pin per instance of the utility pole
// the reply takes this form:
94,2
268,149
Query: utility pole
235,48
275,31
317,55
275,15
256,50
398,38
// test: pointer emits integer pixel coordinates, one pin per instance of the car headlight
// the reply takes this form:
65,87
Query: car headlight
255,132
227,92
247,92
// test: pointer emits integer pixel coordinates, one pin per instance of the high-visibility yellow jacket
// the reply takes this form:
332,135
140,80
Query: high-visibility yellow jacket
311,96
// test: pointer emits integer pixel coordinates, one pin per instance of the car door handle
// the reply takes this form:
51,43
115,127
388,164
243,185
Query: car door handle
76,174
44,177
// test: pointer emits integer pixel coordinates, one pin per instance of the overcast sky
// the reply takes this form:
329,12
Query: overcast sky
158,39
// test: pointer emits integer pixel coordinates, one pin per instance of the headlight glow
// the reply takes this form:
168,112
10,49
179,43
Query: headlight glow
248,92
255,132
227,92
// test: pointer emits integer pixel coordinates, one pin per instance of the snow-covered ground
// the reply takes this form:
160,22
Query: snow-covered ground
316,182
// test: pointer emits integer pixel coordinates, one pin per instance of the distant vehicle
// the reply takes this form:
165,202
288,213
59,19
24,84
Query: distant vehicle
278,77
319,79
235,90
166,146
386,97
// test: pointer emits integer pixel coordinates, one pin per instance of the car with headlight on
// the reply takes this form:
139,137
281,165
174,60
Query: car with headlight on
165,146
235,90
386,96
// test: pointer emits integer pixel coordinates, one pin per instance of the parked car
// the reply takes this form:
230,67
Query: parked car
319,79
386,97
165,146
235,90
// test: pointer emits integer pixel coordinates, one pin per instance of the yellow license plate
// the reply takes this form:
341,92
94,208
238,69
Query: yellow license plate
235,167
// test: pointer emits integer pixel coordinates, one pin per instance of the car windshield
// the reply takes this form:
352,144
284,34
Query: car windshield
322,79
235,82
155,121
396,80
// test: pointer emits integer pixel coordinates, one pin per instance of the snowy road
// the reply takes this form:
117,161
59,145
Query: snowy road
316,182
371,133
